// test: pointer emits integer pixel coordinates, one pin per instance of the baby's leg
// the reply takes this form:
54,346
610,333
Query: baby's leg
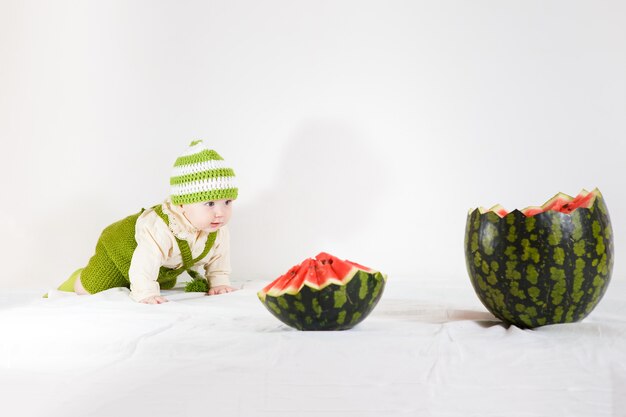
79,289
70,283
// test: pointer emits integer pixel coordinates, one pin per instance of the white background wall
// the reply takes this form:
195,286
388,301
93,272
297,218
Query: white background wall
362,128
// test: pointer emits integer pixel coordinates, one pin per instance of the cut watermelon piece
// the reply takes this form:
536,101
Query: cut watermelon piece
324,293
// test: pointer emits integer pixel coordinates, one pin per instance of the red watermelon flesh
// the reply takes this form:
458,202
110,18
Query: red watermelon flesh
292,280
318,272
561,202
338,265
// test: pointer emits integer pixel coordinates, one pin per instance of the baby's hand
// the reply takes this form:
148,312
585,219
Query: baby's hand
155,299
220,289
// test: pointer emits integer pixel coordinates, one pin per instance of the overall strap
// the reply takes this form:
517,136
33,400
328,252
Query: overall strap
185,251
207,247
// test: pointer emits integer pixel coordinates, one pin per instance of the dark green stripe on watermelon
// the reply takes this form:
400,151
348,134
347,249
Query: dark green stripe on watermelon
334,307
545,269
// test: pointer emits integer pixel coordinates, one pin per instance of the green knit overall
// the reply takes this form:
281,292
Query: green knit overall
109,266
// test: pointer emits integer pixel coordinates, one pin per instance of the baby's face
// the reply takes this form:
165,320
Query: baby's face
210,215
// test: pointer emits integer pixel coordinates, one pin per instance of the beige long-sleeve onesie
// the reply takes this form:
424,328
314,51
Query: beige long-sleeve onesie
157,247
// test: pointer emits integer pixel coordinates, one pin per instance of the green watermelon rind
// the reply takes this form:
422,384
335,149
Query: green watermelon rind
332,307
546,269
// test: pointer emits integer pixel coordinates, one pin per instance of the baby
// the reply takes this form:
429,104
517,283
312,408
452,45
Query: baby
187,232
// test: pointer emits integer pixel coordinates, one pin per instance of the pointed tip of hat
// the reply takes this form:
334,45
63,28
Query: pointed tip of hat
195,142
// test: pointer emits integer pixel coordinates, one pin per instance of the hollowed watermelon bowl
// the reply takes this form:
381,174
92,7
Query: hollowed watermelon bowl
541,265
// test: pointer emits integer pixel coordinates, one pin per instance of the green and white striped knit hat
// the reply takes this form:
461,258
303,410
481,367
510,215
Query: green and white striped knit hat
200,174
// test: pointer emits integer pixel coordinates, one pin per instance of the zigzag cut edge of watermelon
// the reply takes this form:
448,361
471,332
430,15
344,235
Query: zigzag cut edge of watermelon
317,273
561,202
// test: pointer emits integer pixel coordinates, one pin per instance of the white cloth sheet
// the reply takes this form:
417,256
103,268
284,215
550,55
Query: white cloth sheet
428,349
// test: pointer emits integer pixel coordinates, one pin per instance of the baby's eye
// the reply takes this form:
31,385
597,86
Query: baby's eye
228,202
210,203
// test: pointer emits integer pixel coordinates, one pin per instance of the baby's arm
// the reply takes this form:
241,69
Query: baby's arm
148,257
143,274
218,267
